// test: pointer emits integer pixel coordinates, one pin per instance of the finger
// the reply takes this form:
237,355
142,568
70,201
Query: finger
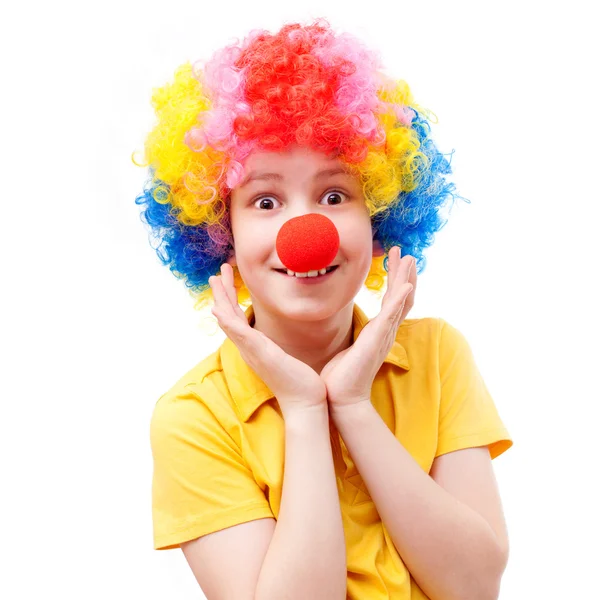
412,275
397,278
220,296
405,305
388,319
229,285
229,322
410,298
394,262
233,321
393,259
405,281
412,279
227,277
398,301
405,273
409,279
407,267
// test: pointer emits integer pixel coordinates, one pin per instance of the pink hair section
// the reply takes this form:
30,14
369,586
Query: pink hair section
357,96
223,84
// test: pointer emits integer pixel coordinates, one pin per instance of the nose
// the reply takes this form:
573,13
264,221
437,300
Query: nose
307,243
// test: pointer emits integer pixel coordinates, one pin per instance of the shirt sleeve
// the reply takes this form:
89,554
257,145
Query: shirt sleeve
468,416
201,483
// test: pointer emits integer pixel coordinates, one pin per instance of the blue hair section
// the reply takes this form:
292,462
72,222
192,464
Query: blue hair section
182,248
412,220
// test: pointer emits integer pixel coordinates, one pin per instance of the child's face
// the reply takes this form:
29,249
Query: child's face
260,207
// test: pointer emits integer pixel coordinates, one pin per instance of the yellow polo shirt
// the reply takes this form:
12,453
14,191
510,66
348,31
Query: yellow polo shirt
217,439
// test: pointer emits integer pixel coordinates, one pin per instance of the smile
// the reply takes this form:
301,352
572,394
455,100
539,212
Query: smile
310,275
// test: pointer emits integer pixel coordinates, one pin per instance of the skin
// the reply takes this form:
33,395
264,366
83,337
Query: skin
300,344
310,323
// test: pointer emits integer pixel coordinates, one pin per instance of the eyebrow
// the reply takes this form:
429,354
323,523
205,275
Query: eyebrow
277,176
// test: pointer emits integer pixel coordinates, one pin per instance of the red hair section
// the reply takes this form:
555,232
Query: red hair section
291,95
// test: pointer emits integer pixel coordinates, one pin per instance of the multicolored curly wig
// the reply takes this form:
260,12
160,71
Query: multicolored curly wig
303,85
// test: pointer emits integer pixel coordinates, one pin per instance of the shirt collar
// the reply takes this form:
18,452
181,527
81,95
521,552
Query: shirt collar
249,392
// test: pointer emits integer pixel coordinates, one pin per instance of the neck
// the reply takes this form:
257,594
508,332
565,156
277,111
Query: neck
314,343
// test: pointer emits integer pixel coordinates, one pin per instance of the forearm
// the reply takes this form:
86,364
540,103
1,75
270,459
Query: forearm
450,550
307,554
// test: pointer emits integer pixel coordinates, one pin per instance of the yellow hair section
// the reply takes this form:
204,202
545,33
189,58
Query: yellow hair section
385,174
191,176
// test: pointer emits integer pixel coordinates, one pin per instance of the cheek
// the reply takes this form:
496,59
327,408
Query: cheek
357,245
253,246
357,236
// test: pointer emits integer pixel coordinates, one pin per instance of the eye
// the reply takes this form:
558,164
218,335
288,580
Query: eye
267,202
263,202
334,193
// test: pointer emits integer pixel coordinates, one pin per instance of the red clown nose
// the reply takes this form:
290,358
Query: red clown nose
307,243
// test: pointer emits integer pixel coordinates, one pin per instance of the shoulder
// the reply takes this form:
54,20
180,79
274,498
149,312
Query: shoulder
433,330
420,335
421,324
431,341
208,365
195,398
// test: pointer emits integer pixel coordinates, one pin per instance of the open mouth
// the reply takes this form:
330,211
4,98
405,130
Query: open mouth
309,274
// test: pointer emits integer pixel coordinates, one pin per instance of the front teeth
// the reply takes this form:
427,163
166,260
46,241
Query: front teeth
309,274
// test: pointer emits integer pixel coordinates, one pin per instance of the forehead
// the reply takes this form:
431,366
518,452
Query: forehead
292,153
297,163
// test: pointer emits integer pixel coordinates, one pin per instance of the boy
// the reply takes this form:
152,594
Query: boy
316,454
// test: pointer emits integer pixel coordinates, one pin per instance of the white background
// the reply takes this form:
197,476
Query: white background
95,329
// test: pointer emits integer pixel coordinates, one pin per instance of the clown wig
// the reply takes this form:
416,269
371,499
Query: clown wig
304,85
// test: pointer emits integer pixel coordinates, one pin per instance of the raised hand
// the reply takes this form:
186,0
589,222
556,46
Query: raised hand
296,385
349,375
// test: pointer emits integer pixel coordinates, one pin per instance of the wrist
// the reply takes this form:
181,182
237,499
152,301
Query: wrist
351,412
300,415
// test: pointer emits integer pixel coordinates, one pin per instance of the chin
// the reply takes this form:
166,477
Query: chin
307,309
